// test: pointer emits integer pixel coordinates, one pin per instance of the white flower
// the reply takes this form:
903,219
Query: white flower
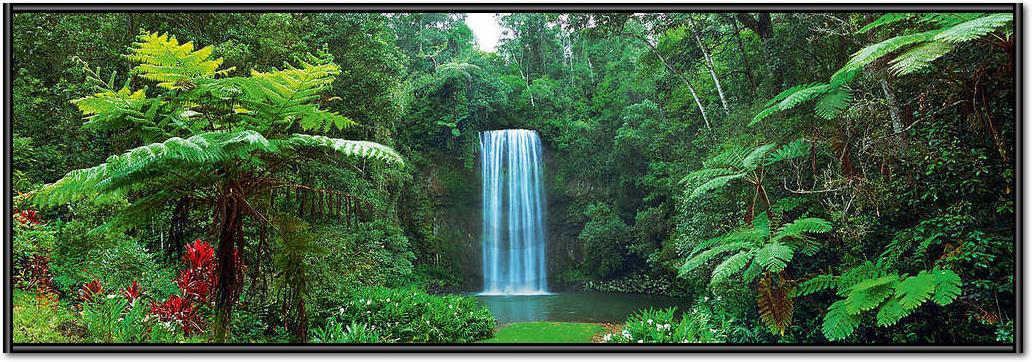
705,299
110,296
607,337
342,309
684,341
368,302
640,341
650,321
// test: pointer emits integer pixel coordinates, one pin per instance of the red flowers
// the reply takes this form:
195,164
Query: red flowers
198,280
178,309
28,217
132,292
91,290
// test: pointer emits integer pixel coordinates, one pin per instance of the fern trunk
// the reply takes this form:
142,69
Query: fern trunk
230,234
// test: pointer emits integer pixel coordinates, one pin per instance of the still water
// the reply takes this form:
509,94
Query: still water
574,306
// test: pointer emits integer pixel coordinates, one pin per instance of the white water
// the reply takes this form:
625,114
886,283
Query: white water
513,212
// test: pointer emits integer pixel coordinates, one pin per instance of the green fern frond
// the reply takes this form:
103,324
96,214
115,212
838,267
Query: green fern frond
869,294
799,227
947,19
839,324
815,285
705,256
974,29
873,52
707,174
891,312
797,148
919,57
281,98
804,95
947,286
361,149
172,65
915,290
833,103
774,257
715,183
730,266
756,156
766,112
729,158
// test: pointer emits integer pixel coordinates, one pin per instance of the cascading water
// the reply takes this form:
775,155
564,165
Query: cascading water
513,212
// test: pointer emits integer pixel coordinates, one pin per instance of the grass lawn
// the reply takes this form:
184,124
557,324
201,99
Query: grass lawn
546,332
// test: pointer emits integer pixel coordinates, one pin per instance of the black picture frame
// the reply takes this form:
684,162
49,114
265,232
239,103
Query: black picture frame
1015,8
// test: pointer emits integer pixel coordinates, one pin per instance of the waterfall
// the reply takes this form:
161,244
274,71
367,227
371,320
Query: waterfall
513,211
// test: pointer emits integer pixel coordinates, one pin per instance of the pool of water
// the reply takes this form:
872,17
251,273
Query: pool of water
573,306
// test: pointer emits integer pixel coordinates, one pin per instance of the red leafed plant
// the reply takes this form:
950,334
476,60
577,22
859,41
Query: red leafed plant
132,292
197,282
28,217
91,290
179,310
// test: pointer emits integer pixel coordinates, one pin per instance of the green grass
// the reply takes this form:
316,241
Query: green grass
546,332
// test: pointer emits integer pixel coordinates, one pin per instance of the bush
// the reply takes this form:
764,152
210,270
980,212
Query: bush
411,315
336,332
661,326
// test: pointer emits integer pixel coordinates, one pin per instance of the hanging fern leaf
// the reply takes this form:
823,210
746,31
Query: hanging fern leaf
919,57
730,266
799,227
891,312
975,28
915,290
869,54
833,103
774,304
362,149
838,324
947,287
755,157
869,294
715,183
815,285
797,148
774,257
703,257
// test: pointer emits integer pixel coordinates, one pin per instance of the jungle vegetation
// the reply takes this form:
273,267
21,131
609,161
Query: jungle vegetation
274,177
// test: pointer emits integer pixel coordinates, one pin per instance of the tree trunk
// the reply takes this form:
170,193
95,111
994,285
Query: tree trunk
230,233
745,57
709,66
894,113
684,79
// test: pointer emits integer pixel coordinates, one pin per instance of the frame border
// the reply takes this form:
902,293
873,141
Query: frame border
10,9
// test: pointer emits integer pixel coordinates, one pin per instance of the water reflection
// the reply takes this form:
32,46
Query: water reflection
573,307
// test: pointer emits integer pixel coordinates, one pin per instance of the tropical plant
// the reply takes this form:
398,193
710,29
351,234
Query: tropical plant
662,326
336,332
411,315
757,251
229,140
871,286
741,162
915,52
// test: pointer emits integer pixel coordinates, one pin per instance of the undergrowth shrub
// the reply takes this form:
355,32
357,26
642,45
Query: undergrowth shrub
412,315
662,326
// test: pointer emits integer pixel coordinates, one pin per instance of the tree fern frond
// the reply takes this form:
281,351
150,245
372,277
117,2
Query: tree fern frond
715,183
873,52
919,57
839,324
755,157
799,227
833,103
947,19
171,64
362,149
815,285
974,29
774,304
891,312
797,148
707,174
705,256
730,266
947,286
803,95
915,290
869,294
774,257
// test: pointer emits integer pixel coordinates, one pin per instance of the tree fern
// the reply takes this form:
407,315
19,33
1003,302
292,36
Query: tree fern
974,28
174,66
839,324
816,284
362,149
833,103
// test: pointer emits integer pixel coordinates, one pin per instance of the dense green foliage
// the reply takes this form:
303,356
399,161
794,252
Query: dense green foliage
805,178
